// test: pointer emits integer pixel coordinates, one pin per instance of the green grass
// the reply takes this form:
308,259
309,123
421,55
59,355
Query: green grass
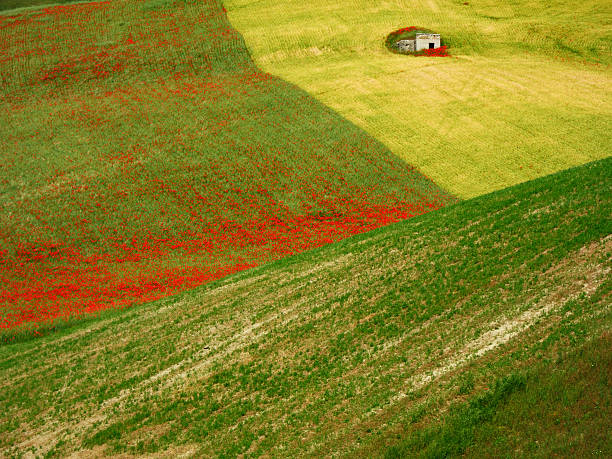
558,411
444,335
526,93
14,4
458,430
552,410
151,155
351,348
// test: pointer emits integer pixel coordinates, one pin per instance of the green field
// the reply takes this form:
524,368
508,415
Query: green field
13,4
560,407
144,154
354,347
202,259
527,92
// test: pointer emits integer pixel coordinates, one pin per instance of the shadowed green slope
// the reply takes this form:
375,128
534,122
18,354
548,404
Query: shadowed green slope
13,4
558,408
341,349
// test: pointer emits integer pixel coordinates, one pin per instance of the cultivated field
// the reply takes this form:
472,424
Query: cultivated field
355,346
527,92
13,4
143,154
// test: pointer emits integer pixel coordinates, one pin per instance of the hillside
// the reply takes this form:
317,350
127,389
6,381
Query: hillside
143,153
559,407
351,347
527,91
14,4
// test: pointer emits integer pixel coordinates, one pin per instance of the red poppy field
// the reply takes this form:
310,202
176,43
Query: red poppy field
143,153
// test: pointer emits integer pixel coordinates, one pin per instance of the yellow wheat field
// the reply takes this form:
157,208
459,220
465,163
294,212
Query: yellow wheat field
527,91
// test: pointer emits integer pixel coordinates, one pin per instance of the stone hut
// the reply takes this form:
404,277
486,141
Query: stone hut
420,42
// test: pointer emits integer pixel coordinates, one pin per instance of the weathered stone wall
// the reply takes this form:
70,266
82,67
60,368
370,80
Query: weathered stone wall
405,45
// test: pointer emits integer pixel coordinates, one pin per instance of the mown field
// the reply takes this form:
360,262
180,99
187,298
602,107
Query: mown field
527,92
498,306
143,153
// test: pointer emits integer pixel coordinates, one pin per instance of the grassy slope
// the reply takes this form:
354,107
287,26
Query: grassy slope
527,93
558,408
345,349
13,4
143,153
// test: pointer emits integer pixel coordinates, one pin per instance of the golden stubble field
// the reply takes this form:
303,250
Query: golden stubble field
527,91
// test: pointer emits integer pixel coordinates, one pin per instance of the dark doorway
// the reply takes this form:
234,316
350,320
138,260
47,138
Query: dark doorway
431,46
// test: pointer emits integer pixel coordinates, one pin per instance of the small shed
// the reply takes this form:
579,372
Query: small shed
420,42
427,41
